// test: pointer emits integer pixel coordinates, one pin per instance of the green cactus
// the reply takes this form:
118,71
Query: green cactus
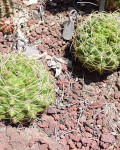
25,88
6,8
97,42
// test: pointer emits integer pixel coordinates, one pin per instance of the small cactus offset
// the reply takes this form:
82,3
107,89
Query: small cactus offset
97,42
6,9
26,88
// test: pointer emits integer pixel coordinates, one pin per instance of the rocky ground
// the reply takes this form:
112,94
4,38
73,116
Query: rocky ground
86,113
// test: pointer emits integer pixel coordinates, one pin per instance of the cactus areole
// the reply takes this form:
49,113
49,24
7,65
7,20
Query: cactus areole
26,88
97,42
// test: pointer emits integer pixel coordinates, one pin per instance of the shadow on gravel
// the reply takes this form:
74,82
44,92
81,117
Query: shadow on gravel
62,5
26,124
79,71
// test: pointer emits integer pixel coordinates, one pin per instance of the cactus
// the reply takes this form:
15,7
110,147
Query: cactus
6,8
25,88
97,42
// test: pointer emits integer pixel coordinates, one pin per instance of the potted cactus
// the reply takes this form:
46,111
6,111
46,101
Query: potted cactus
97,42
26,88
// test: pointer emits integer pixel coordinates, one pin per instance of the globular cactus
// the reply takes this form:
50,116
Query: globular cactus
26,88
6,25
6,9
97,42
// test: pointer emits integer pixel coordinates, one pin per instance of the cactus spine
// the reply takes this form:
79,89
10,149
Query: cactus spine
6,8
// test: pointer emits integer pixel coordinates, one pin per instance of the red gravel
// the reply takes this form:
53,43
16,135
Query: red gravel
86,113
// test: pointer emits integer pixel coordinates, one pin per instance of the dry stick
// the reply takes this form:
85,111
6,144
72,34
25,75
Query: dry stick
56,135
63,92
80,114
109,108
110,88
68,132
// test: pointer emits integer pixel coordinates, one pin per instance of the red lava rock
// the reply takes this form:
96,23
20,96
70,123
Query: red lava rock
73,110
100,122
50,53
90,112
31,22
37,37
43,124
71,144
117,95
59,83
105,130
100,116
41,47
55,45
47,40
96,104
104,145
10,39
34,6
87,134
92,121
53,33
75,138
2,39
100,85
79,145
107,138
31,39
34,34
71,124
47,32
87,147
47,118
62,127
30,143
85,141
93,145
53,125
3,147
56,117
38,30
60,43
63,141
85,96
44,147
118,106
77,86
66,147
75,96
64,67
118,137
51,111
82,119
66,82
88,129
83,148
1,34
68,93
75,149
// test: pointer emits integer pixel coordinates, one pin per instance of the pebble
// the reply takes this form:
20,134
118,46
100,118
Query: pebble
107,138
44,147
